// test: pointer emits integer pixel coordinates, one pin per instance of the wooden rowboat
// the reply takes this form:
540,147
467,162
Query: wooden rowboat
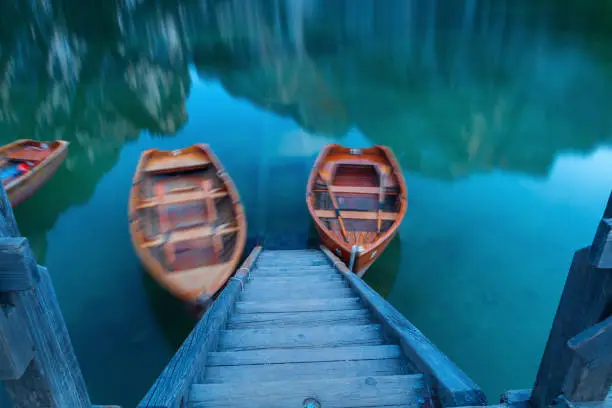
186,221
25,165
357,199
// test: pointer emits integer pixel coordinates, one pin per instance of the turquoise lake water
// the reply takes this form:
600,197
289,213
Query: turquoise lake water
498,113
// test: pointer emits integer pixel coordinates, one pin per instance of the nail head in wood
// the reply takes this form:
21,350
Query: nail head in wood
18,271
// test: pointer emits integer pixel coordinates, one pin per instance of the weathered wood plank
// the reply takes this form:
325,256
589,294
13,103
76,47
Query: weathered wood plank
18,270
294,263
563,402
586,296
299,305
171,388
294,270
53,378
302,319
291,281
516,398
454,388
16,347
301,337
601,250
368,391
283,294
284,356
305,371
590,375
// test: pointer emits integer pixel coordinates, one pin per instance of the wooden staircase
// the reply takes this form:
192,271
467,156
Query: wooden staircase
299,335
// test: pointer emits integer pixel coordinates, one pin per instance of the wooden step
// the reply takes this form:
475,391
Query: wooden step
301,337
299,286
297,292
307,305
367,391
299,319
296,272
284,356
291,280
305,371
293,264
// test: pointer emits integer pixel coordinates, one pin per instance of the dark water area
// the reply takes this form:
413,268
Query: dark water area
498,112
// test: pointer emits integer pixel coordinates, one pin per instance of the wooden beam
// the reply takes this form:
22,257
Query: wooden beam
590,376
451,385
16,348
586,299
189,362
601,250
18,270
53,378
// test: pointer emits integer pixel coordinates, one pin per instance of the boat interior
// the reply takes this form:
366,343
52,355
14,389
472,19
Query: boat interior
365,191
28,154
187,214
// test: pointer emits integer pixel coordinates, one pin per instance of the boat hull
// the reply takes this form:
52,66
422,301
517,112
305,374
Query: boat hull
357,199
184,256
24,186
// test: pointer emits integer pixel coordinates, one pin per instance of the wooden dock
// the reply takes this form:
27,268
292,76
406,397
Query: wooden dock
295,328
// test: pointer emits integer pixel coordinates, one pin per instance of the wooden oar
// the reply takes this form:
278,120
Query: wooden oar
336,208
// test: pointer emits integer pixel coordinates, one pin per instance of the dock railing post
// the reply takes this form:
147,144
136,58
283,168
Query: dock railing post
37,362
577,361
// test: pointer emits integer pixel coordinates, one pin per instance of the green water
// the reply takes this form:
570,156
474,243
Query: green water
498,112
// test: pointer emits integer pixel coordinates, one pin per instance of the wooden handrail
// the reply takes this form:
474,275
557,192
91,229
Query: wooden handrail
452,386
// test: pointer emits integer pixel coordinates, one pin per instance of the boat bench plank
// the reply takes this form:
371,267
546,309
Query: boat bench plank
370,391
301,337
182,235
281,293
299,305
284,356
359,215
303,319
180,198
305,370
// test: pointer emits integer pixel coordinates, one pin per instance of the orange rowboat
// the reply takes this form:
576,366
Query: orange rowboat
357,199
186,221
25,165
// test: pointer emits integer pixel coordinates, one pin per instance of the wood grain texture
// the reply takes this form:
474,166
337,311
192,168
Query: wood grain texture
586,296
301,319
453,386
590,375
601,249
301,337
563,402
516,398
18,270
291,281
304,293
284,356
16,347
305,371
299,305
171,387
371,391
53,378
8,224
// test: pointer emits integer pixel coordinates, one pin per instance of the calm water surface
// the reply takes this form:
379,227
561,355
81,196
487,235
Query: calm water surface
498,112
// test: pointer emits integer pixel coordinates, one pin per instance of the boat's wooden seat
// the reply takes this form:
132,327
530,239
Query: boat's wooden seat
358,215
175,164
29,155
183,196
187,234
356,190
